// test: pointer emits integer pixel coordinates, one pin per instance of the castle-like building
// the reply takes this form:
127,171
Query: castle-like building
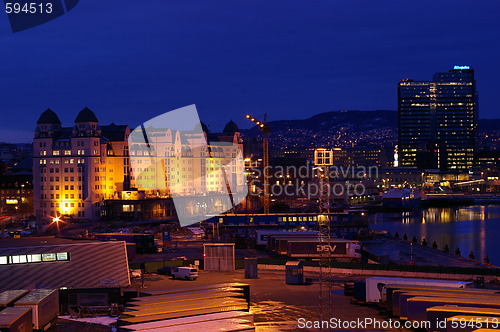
75,169
80,171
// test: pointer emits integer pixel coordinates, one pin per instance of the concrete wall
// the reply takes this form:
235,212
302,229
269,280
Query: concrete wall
370,273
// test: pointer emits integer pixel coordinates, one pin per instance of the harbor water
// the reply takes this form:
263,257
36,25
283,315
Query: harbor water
469,228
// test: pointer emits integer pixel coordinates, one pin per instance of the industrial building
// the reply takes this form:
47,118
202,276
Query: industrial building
51,262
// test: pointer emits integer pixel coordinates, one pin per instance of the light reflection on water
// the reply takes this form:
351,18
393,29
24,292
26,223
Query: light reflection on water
475,228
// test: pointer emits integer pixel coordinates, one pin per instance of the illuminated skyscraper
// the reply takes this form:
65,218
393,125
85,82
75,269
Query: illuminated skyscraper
438,120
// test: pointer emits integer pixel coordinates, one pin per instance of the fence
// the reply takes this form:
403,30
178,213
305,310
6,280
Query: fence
152,267
394,267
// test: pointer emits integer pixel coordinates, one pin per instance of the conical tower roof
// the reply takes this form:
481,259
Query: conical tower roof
86,115
49,116
231,127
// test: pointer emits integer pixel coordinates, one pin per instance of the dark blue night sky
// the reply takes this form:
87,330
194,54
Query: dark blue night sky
132,60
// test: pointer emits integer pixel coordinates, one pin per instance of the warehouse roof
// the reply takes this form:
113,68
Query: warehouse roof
42,241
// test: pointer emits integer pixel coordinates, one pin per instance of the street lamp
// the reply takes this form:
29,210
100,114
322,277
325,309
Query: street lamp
57,220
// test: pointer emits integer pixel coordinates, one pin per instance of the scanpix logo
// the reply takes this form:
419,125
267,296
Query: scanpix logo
171,157
26,14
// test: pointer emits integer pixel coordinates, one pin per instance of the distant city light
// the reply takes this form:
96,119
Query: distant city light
461,67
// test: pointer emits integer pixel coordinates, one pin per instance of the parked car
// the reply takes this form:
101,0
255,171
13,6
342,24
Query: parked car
134,274
166,270
184,272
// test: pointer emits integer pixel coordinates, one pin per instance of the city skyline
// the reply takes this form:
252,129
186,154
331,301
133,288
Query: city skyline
320,165
287,65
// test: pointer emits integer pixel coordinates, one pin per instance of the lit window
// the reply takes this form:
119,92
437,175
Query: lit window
4,260
34,258
18,259
48,257
62,256
128,208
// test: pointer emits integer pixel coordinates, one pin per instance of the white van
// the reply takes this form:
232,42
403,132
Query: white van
184,272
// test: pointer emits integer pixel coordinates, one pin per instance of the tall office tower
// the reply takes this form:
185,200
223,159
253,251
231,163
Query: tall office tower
438,120
76,168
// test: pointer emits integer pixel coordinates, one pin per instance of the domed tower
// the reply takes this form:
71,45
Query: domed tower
86,124
48,123
48,129
232,129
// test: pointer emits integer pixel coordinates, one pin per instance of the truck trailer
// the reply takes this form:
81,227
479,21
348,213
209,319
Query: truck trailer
309,246
336,248
443,313
44,304
417,306
16,320
262,235
375,286
392,293
8,297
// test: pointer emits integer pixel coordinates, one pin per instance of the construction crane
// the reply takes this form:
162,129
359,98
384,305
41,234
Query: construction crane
265,148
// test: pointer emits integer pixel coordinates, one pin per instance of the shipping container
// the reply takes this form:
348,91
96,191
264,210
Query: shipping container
16,320
278,242
224,321
219,256
402,308
262,235
8,297
417,306
375,289
307,246
464,323
44,304
144,243
442,292
390,289
441,313
185,302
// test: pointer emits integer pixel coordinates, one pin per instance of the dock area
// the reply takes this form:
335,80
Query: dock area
394,251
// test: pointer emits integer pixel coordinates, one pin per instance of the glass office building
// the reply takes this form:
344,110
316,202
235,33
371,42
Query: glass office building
438,120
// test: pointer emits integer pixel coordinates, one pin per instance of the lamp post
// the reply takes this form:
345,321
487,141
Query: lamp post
57,220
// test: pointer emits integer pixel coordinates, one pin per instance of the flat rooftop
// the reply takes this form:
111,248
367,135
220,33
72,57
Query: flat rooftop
43,241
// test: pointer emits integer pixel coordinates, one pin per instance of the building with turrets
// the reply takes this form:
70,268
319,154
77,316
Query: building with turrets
85,172
186,162
77,168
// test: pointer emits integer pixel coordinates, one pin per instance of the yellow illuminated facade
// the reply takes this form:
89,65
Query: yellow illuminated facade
77,168
188,163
